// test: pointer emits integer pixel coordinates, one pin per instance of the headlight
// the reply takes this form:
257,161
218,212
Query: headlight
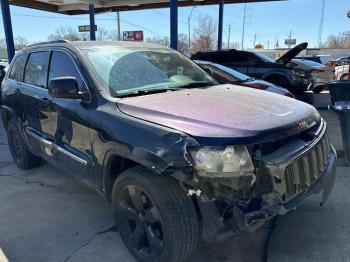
300,73
223,162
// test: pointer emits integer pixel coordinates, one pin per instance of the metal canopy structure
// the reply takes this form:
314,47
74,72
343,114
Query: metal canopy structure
76,7
73,7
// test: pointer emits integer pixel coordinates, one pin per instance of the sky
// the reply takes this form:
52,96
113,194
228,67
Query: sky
267,21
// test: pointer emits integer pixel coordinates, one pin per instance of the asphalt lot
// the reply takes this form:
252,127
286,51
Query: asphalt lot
46,215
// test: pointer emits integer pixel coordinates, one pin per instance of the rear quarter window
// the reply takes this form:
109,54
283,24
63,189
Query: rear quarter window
17,70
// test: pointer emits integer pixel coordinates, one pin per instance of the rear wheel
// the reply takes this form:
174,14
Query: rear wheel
155,219
344,77
20,154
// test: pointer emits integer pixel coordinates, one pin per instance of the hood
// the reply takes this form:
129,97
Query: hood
263,85
224,114
308,65
287,57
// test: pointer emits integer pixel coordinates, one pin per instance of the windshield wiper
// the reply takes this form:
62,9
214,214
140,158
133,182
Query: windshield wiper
196,84
146,92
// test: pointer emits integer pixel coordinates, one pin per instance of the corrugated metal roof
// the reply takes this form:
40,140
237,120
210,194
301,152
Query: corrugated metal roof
72,7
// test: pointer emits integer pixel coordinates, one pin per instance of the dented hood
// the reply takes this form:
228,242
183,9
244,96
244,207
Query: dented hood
224,114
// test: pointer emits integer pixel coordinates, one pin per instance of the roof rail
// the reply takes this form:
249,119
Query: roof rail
50,42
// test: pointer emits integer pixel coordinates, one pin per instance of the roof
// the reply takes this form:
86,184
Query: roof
92,45
72,7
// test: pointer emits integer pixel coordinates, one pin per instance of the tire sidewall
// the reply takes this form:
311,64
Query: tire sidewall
166,222
12,128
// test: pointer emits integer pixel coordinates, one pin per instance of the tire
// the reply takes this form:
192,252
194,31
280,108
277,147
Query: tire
154,207
344,77
318,89
18,148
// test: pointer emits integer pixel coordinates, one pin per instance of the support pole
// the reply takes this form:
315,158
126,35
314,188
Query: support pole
118,27
6,18
173,24
92,22
221,23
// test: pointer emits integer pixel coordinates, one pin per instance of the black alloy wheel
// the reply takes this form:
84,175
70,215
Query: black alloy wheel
157,221
140,222
15,145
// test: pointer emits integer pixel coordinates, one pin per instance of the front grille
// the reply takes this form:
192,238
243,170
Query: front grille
304,171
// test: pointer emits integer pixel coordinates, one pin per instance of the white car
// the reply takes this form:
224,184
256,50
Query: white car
342,72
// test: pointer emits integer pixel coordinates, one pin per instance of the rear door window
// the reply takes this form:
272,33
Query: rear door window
37,69
62,65
17,70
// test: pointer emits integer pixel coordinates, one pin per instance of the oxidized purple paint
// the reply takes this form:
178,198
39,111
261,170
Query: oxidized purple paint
223,111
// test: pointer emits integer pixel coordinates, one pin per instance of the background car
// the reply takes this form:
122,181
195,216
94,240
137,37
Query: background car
225,75
342,61
3,69
261,66
319,74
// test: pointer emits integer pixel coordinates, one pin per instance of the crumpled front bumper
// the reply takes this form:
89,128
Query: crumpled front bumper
273,205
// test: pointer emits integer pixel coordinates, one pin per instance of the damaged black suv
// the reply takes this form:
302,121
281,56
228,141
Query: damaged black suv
179,156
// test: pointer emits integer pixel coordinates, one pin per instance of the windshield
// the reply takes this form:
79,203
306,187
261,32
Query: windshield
264,57
127,71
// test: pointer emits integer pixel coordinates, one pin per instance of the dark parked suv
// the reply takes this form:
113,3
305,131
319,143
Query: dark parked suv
258,65
178,156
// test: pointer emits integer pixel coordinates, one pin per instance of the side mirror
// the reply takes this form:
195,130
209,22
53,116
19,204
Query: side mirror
66,87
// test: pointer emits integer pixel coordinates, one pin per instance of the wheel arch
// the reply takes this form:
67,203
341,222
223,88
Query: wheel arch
275,74
7,113
115,163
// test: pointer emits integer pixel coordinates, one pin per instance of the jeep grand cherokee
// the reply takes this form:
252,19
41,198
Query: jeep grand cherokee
178,155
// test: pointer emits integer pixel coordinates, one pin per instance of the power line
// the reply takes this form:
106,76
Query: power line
98,19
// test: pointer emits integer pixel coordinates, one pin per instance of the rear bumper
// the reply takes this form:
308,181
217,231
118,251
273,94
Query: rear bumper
272,205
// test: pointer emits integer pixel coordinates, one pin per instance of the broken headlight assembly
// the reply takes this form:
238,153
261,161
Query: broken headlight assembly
231,161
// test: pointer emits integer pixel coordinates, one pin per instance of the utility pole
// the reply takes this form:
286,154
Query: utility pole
320,30
243,30
189,30
290,40
276,41
229,37
268,44
118,27
254,40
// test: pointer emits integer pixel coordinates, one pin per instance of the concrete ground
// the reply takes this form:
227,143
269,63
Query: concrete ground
46,215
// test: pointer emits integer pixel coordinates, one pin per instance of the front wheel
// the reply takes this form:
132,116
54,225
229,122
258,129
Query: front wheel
155,218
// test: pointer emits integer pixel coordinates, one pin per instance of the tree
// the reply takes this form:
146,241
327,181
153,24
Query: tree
342,40
67,33
204,36
2,43
20,42
163,41
182,43
103,34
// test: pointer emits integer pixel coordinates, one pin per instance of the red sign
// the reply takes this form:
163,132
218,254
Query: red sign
136,36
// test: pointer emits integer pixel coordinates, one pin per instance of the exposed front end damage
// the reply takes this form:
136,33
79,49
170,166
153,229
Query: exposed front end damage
286,173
